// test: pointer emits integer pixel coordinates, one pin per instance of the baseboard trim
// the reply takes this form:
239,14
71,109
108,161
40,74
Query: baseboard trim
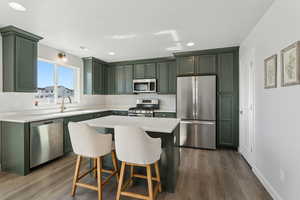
266,184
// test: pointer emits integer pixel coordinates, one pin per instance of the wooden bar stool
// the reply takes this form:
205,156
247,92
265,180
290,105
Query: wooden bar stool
87,142
135,148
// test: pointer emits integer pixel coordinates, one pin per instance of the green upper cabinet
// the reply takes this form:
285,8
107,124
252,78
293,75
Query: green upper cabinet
144,71
19,60
110,80
185,65
206,64
226,72
128,79
172,78
94,76
123,79
166,77
119,81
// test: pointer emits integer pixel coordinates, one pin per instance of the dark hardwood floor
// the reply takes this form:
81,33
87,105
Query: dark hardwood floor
204,175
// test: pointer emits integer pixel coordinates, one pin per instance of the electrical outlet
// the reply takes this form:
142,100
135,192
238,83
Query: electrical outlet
282,175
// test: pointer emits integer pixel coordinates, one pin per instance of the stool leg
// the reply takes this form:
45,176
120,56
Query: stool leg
99,177
121,180
131,175
115,163
77,168
95,166
149,177
157,175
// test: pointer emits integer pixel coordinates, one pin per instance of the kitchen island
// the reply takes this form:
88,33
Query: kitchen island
164,128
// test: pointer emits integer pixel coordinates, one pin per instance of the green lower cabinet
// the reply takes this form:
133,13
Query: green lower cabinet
15,147
120,112
67,141
165,114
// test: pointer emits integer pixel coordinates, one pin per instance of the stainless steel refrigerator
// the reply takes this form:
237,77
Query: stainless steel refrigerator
196,107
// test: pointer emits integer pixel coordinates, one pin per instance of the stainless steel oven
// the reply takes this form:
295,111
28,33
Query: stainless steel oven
144,86
144,108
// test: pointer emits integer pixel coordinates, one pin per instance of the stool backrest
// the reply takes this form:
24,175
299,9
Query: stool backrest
134,145
86,141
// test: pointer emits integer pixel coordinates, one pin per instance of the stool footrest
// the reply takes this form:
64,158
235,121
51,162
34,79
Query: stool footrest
91,187
134,195
144,177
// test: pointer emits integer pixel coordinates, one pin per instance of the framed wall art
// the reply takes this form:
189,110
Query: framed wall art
290,72
271,72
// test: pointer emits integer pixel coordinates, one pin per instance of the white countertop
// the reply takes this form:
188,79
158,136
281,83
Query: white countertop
31,117
163,125
24,117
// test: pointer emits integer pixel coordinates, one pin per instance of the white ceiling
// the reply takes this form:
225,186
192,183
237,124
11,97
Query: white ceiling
135,29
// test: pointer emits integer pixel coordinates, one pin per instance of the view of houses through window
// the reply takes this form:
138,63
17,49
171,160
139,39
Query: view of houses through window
56,83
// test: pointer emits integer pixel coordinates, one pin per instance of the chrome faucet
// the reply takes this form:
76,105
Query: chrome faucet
62,107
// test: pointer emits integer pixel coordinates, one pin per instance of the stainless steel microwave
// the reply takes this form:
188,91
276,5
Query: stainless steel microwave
144,86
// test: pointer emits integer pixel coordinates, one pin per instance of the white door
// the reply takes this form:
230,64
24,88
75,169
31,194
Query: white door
247,96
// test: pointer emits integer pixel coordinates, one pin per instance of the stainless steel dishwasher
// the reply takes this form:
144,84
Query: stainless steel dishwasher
46,141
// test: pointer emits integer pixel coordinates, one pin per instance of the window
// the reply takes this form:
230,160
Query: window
56,82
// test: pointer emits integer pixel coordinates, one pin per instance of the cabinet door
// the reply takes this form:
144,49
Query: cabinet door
172,77
227,132
67,140
110,80
119,81
97,78
139,71
206,64
185,65
150,70
163,77
128,77
87,77
228,99
226,72
26,65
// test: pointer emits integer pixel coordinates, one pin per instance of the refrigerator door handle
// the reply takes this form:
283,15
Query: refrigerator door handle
198,122
194,98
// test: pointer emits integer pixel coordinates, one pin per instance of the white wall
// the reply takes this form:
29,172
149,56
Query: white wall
24,101
277,121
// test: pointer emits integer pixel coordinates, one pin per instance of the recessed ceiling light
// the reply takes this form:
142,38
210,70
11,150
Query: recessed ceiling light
84,48
111,53
16,6
189,44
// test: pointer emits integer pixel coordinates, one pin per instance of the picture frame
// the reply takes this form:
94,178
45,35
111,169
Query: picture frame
271,72
290,65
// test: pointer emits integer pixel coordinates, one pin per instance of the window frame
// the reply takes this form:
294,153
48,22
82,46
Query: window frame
76,80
